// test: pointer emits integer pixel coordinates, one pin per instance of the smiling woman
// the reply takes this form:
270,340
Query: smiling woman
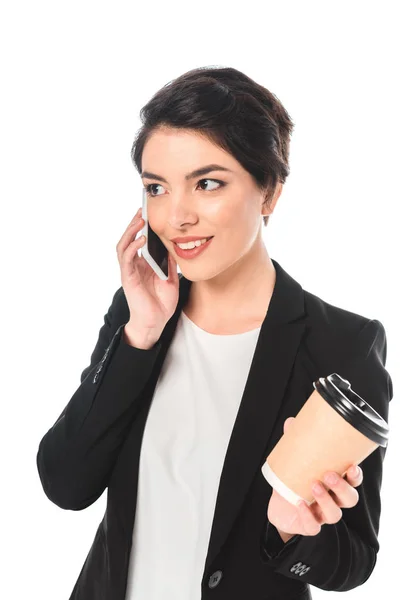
192,377
234,112
220,123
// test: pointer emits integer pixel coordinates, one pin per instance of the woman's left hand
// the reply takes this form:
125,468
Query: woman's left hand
308,520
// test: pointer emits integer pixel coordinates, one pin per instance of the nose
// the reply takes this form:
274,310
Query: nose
181,212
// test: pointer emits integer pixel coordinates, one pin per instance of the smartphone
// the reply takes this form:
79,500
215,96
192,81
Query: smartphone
153,251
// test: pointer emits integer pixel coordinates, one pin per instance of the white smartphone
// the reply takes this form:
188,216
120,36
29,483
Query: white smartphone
153,251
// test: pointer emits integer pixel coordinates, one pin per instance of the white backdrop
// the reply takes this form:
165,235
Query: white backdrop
74,77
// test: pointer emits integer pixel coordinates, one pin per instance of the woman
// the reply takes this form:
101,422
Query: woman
193,380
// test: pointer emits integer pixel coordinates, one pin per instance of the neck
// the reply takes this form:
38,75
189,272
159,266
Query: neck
241,292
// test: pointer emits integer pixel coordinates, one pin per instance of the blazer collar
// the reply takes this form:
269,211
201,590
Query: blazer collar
278,342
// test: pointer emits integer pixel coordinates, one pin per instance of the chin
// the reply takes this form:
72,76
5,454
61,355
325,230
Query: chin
203,275
193,278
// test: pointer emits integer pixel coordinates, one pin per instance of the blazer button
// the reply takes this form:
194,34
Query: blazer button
299,568
215,579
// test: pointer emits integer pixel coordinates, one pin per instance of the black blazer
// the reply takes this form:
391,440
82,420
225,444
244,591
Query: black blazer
95,444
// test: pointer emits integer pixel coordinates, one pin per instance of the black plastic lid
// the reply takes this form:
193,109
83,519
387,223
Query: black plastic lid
338,393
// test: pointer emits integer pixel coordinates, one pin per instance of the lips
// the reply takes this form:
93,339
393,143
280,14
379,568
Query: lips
192,252
209,238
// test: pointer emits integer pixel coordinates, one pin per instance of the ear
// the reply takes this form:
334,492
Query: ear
268,209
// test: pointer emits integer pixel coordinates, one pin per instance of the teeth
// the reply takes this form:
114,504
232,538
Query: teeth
190,245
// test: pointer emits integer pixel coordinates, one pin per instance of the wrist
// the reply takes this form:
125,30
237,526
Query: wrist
142,340
285,536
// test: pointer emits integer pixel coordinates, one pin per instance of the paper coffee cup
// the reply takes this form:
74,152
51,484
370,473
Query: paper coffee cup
334,429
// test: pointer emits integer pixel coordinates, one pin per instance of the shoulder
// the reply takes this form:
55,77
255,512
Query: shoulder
326,315
335,331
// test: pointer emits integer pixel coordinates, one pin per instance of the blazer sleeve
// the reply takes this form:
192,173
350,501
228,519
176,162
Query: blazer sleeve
343,555
76,456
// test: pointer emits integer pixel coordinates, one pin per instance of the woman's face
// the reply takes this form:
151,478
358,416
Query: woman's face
223,204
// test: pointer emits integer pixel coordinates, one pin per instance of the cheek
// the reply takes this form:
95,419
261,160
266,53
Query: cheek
232,223
224,215
236,220
156,218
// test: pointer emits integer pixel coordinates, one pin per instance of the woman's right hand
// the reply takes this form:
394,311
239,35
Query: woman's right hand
151,300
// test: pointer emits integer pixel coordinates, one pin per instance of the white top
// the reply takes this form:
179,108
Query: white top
186,436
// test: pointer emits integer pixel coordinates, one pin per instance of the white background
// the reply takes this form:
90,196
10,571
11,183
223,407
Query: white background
74,76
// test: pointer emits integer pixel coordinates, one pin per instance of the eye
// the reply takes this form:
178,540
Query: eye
148,187
220,185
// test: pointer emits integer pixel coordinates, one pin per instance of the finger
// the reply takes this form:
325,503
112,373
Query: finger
288,422
129,236
317,512
354,475
127,263
138,215
310,523
330,508
346,494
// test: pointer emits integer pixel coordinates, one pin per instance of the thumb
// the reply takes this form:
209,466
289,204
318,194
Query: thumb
288,422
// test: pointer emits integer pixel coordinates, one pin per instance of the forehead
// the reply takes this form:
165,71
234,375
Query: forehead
185,150
175,139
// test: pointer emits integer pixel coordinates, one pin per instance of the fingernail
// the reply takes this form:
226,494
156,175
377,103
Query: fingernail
317,488
356,471
332,478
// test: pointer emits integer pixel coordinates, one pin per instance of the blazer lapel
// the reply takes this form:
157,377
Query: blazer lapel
275,352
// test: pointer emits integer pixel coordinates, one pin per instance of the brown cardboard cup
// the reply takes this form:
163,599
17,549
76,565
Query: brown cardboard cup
334,429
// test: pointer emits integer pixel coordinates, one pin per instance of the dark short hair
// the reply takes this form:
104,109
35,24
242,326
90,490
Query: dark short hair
231,110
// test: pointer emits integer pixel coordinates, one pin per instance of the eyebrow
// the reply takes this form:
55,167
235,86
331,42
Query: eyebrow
192,175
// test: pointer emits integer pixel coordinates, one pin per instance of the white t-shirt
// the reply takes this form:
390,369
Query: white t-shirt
184,444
